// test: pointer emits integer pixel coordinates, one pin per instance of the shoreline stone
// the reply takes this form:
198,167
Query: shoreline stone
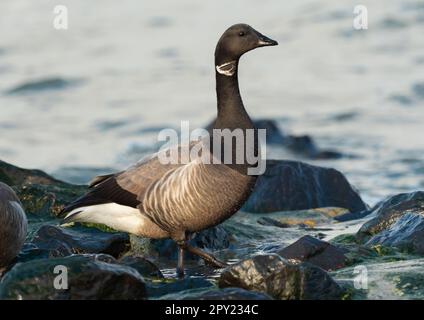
398,222
281,279
89,277
293,185
316,252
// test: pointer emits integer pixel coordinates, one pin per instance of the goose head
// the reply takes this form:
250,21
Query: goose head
236,41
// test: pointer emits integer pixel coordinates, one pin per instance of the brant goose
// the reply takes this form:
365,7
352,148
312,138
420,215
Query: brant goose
157,200
13,226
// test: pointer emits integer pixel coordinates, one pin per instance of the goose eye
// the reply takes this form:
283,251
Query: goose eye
241,33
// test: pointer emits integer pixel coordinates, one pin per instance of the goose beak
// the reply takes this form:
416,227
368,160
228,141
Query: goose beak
265,41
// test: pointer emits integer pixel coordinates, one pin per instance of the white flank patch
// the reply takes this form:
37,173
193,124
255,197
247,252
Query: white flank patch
113,215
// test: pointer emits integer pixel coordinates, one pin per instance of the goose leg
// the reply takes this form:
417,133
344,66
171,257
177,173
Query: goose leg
180,266
205,256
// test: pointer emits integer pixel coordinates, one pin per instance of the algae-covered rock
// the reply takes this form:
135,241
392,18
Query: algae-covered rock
281,279
309,219
40,194
81,277
388,211
391,280
80,240
407,233
398,222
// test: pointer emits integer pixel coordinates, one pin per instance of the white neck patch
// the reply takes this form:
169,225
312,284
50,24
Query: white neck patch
227,69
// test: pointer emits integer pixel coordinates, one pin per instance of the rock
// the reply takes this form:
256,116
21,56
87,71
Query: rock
398,222
392,280
305,146
216,238
407,233
30,251
388,211
348,216
273,133
145,267
302,145
230,294
305,219
89,277
16,176
292,185
274,275
40,194
265,221
315,251
58,241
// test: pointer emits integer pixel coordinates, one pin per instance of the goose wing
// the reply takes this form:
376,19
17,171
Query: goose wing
128,187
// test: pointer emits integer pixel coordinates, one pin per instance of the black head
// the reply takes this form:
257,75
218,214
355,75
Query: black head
237,40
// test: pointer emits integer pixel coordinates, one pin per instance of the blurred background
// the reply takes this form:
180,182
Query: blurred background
91,99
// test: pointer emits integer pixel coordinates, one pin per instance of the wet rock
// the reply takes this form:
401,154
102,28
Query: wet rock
265,221
145,267
388,211
348,216
273,133
216,238
281,279
230,294
302,145
306,146
407,233
41,85
291,185
41,195
13,175
89,277
31,251
306,219
393,280
58,241
398,222
315,251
